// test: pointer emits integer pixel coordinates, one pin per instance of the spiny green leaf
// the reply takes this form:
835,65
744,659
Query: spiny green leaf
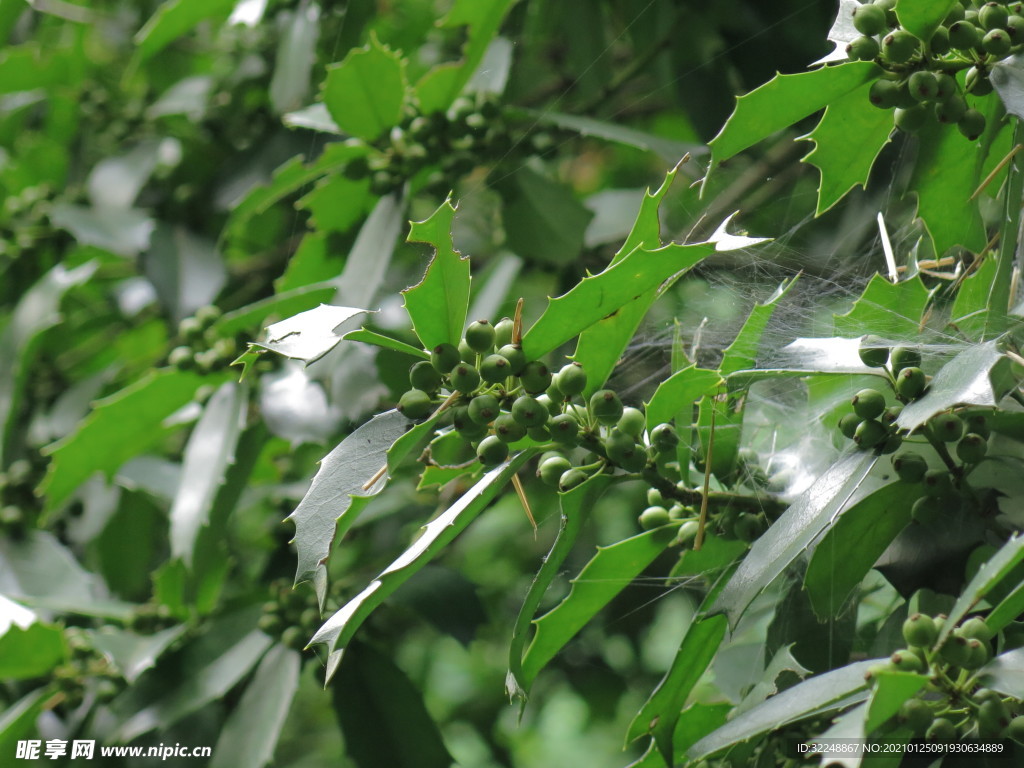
134,654
607,574
286,304
327,509
1005,674
120,426
380,340
890,690
435,536
364,92
889,310
309,335
852,546
845,164
785,100
32,651
437,305
922,17
574,506
660,712
789,537
742,352
597,296
679,392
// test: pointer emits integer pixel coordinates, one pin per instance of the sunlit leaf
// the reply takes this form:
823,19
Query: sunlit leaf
173,19
922,17
365,91
309,335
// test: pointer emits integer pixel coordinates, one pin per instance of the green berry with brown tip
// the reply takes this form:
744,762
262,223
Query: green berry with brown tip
465,378
941,731
495,369
916,715
910,383
535,377
869,434
972,124
632,422
503,332
444,357
483,409
937,483
863,48
923,86
993,16
952,110
507,429
899,46
564,429
884,94
516,359
868,403
664,437
423,375
997,42
415,404
869,19
906,660
964,36
528,412
904,357
947,427
971,449
873,351
571,479
491,451
910,466
550,470
480,336
606,406
920,631
848,425
571,379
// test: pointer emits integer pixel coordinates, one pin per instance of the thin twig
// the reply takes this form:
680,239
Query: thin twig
518,485
517,323
995,171
699,542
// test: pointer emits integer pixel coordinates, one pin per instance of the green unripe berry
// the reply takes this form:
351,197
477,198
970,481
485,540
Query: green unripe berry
516,359
937,483
564,429
964,36
874,352
503,332
952,110
979,654
606,406
1015,29
293,638
869,434
480,336
993,16
875,670
906,660
910,119
444,357
552,407
910,383
571,479
923,87
507,429
653,517
993,718
884,94
535,377
863,49
955,651
551,470
415,404
465,426
891,414
916,715
632,422
939,44
910,466
495,369
977,423
941,731
976,628
891,445
181,358
190,329
956,13
899,46
977,82
11,517
869,19
483,409
687,532
947,427
1015,730
424,376
655,498
539,434
972,448
618,445
919,631
868,403
528,412
465,378
945,86
972,124
997,42
491,451
664,437
848,425
571,379
466,353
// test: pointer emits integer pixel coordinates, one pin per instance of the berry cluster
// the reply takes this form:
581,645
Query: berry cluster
149,618
202,348
920,79
496,398
17,496
290,616
456,141
955,704
86,671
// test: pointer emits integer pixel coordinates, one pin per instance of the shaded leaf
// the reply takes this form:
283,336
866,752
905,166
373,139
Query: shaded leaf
1008,79
209,452
608,573
889,310
18,720
37,310
679,392
371,253
382,715
1005,673
437,305
852,546
380,340
327,509
543,220
119,427
287,303
186,270
742,352
365,91
134,654
888,693
437,534
173,19
254,725
124,231
783,661
811,514
32,651
295,56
